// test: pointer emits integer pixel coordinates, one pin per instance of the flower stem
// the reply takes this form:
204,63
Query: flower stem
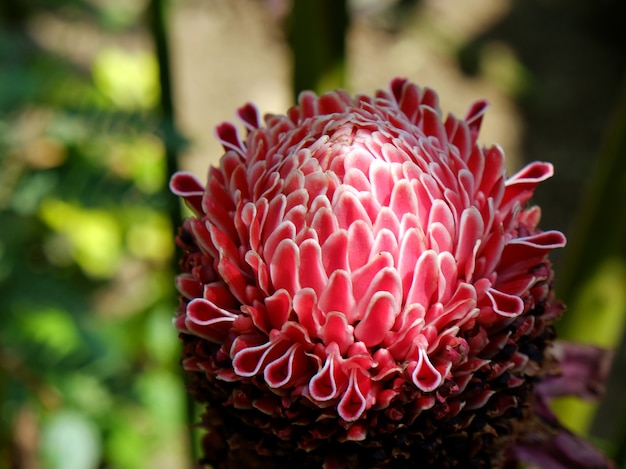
317,38
157,12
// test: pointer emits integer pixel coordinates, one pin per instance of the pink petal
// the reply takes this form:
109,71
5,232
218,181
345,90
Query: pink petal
359,159
285,230
338,295
520,186
386,220
290,369
425,278
285,266
379,317
423,374
250,116
353,402
324,222
403,198
336,329
330,103
385,280
219,294
311,271
440,213
401,344
479,401
207,320
474,117
490,253
381,181
363,277
316,183
250,361
348,209
459,136
187,186
504,304
329,381
493,174
218,215
234,278
407,96
470,231
411,247
385,241
520,254
278,308
305,307
355,178
360,243
188,286
448,277
260,270
223,243
440,239
335,252
229,138
275,216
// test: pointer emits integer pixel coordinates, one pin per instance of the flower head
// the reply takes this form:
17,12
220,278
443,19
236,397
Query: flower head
361,278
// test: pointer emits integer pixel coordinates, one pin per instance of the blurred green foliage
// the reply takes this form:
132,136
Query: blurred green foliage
89,372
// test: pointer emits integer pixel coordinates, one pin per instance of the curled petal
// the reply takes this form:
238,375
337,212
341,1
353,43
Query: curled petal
520,254
474,117
504,304
354,401
187,186
229,138
188,286
207,320
249,361
328,382
520,186
290,369
249,116
423,374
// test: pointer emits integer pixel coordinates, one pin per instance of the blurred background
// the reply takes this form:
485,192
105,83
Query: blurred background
101,100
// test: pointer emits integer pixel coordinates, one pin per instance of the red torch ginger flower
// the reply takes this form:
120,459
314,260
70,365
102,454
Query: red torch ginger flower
362,285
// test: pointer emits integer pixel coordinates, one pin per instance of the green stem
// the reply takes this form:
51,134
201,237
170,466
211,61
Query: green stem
317,38
158,26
